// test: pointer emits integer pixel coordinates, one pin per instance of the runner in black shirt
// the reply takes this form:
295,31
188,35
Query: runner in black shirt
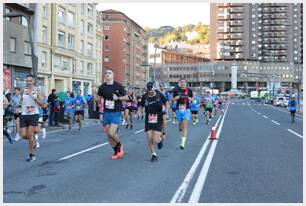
112,94
153,102
183,95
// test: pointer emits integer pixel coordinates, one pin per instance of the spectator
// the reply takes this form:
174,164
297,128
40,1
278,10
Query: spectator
53,108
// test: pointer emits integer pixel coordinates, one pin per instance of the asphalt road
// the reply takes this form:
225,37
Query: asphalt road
255,160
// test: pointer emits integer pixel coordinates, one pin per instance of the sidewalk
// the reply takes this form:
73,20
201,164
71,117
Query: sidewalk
65,126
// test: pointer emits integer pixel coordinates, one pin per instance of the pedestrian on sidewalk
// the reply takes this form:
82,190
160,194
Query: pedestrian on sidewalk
53,108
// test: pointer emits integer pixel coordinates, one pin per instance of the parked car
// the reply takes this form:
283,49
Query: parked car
279,101
285,102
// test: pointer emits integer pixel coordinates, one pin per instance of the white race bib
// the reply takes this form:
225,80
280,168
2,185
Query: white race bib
152,118
109,104
182,107
30,109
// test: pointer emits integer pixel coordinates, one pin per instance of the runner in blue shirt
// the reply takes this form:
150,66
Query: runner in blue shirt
195,104
292,107
80,104
69,109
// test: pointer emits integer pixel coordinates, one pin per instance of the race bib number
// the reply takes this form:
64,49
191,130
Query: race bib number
152,119
30,110
78,107
109,104
182,107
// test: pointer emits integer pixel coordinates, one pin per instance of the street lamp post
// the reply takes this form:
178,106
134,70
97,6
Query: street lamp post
17,14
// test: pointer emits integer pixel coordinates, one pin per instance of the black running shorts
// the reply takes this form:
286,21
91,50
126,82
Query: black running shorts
28,120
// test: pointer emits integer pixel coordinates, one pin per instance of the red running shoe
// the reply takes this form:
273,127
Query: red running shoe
121,153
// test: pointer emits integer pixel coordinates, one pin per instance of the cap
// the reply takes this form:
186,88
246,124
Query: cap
150,86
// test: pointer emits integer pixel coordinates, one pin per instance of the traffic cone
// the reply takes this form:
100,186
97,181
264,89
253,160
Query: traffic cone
213,133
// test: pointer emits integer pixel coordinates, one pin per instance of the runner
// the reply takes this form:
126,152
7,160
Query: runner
292,107
165,110
183,95
113,94
80,104
153,102
209,104
130,108
195,104
139,112
16,109
69,109
6,119
30,101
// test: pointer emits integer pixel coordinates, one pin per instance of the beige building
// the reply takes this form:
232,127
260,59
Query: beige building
66,47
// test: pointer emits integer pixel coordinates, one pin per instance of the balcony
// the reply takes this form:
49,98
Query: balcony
236,36
236,10
224,5
236,5
236,16
239,49
239,56
239,43
223,30
223,16
222,36
236,23
237,29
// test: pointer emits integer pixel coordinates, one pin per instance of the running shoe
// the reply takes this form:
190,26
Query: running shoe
154,158
127,126
121,152
160,144
182,147
131,127
17,137
115,156
194,123
31,158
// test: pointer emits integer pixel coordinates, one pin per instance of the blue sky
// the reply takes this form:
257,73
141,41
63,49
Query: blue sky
159,14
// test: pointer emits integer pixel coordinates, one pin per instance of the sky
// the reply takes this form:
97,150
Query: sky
154,15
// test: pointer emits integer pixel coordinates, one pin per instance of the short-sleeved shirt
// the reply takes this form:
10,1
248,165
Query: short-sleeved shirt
153,105
15,102
69,103
183,101
106,92
208,101
195,104
79,102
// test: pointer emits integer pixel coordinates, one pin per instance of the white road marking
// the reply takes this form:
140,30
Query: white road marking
179,194
139,131
265,116
233,103
83,151
197,190
275,122
295,133
259,113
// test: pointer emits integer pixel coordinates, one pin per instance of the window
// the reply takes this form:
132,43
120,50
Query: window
82,47
44,59
70,41
253,42
106,48
57,61
66,64
61,15
13,44
23,21
106,59
106,37
61,39
106,27
90,11
44,7
44,34
70,19
89,68
89,29
253,15
82,27
89,49
27,48
106,17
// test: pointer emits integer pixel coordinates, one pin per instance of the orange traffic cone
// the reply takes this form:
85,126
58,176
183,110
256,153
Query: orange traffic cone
213,133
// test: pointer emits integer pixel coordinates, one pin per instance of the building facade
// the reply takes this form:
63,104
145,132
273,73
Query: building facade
16,45
250,75
124,49
259,31
66,41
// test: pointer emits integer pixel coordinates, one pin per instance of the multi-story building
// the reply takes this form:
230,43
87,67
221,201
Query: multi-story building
17,61
66,41
99,50
251,75
259,31
124,49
